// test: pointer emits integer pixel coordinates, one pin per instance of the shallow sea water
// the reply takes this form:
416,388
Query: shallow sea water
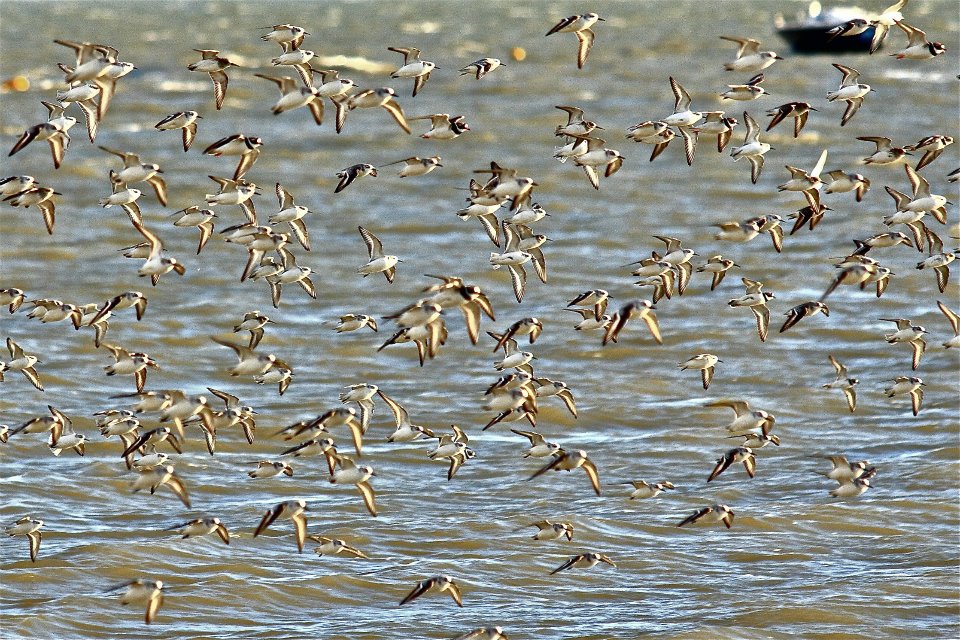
796,564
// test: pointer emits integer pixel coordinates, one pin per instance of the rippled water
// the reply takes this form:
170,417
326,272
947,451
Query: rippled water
795,564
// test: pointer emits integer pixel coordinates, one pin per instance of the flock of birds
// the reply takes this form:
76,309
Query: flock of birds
503,204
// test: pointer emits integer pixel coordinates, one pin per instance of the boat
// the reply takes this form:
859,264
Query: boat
809,35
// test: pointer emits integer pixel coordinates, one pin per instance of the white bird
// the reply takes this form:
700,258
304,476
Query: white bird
292,509
202,527
752,148
379,262
746,419
30,527
643,490
882,23
705,363
142,591
850,91
749,57
413,67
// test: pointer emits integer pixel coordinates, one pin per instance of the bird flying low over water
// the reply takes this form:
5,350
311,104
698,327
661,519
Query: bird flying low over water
440,584
579,25
568,461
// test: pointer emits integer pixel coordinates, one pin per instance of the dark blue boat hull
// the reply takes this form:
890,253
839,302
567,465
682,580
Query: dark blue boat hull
813,39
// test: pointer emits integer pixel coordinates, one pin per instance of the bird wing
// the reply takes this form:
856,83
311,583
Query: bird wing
220,81
300,524
585,39
650,319
756,166
356,433
706,375
562,24
817,168
550,465
916,398
951,316
839,367
762,314
591,471
394,109
229,400
534,437
243,352
689,144
177,486
682,98
31,374
591,175
750,464
567,396
722,465
374,246
519,278
153,605
35,538
694,517
566,565
267,520
417,591
851,396
471,316
852,107
366,490
919,346
246,161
